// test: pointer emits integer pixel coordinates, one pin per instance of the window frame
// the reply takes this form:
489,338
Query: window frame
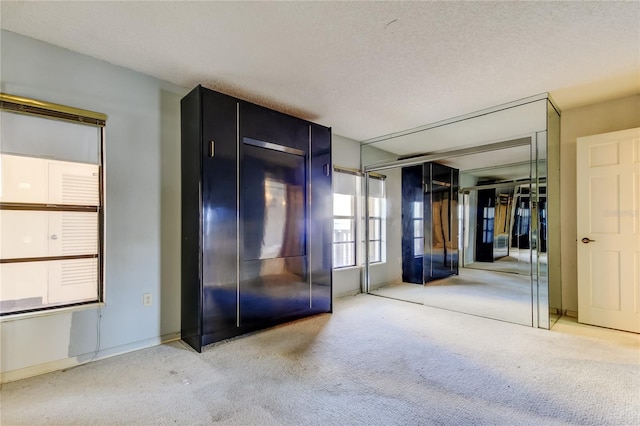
488,223
418,220
41,109
353,228
358,220
379,220
355,194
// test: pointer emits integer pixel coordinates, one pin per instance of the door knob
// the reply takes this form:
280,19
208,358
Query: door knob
54,237
587,240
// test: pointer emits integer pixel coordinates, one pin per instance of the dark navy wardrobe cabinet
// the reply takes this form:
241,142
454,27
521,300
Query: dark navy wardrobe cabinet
256,217
429,222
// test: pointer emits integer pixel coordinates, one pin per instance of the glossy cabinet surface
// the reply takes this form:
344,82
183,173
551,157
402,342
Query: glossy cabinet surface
429,222
413,236
441,221
256,217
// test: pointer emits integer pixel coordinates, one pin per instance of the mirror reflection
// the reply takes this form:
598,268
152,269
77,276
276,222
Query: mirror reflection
496,276
466,228
464,234
499,221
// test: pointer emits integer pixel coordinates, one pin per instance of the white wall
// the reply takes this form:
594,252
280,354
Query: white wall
142,199
603,117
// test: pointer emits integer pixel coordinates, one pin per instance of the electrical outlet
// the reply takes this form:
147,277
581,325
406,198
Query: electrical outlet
146,299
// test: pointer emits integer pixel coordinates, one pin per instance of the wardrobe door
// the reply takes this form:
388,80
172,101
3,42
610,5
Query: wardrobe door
273,257
441,221
412,225
321,220
273,262
256,251
219,153
191,219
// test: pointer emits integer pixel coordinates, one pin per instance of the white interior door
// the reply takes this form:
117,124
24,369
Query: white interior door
608,221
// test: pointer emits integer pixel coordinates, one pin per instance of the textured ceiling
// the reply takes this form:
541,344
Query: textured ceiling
365,68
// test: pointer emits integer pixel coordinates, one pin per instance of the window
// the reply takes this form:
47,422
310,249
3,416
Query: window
375,229
377,219
349,221
344,219
418,229
50,206
344,230
523,218
488,216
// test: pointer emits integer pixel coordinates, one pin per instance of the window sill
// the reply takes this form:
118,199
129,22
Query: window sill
48,312
347,268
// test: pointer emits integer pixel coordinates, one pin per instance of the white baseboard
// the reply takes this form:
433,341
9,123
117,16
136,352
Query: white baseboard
65,363
36,370
572,314
347,293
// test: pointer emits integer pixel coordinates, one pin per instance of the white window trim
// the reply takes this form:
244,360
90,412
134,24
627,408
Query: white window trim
42,109
360,234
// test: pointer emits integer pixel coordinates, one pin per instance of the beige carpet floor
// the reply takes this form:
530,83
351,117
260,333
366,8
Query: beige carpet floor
375,361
